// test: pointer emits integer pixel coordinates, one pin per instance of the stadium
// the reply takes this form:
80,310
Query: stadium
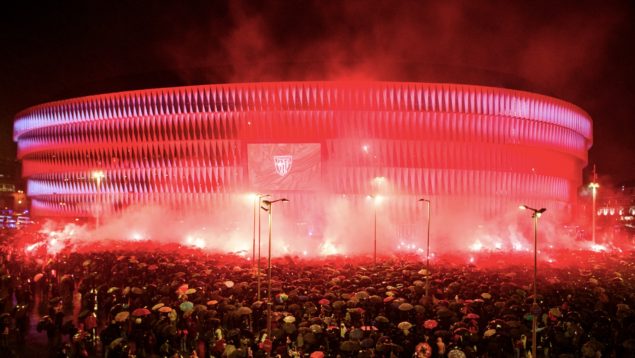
467,149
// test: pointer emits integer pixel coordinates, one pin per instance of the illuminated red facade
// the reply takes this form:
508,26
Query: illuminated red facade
479,148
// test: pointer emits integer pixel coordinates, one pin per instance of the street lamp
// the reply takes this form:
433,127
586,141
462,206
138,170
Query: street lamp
536,213
256,204
259,197
594,189
98,176
376,200
427,249
268,207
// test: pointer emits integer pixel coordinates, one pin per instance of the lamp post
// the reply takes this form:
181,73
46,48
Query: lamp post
594,189
259,197
256,204
98,176
376,200
375,233
427,249
268,207
536,213
377,186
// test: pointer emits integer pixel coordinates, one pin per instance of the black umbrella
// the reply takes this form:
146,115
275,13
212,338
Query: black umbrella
349,346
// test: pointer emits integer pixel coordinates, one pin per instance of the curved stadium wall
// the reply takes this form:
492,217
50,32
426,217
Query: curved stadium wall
481,148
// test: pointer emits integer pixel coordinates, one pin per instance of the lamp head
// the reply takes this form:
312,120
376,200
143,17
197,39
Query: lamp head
269,202
523,207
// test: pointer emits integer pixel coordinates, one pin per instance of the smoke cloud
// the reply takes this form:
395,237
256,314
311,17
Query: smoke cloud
497,43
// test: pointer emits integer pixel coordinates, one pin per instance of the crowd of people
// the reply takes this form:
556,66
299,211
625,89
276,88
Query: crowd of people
177,302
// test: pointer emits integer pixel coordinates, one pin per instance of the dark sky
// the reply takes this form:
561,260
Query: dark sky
579,51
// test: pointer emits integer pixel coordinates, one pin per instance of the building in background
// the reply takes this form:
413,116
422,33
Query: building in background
615,212
469,149
12,196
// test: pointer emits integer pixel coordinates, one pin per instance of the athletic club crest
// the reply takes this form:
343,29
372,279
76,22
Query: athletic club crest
282,164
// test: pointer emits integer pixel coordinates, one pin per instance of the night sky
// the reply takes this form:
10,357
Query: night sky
579,51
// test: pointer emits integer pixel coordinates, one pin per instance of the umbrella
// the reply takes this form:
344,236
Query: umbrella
338,305
445,313
256,305
137,290
381,319
441,333
430,324
186,306
229,284
165,309
289,328
115,343
122,316
310,338
112,289
157,306
349,346
405,325
212,302
316,328
188,313
489,333
141,312
190,291
86,263
362,295
282,297
244,311
37,277
405,307
486,295
152,267
367,343
369,328
472,316
456,353
555,312
289,319
629,344
357,334
324,302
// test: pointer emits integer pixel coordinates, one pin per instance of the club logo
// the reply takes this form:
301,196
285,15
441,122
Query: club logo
282,164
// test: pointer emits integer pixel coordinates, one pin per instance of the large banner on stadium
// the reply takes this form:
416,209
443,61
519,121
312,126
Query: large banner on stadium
284,166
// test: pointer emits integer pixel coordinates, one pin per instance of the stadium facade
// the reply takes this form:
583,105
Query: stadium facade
481,149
